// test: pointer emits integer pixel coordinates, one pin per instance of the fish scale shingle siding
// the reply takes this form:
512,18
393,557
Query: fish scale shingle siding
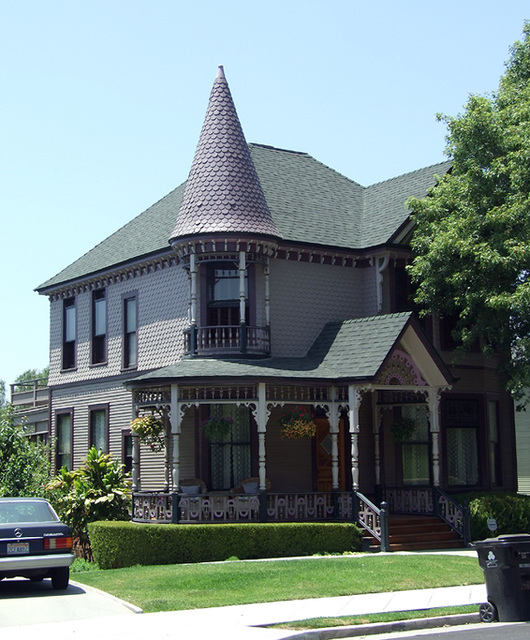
304,297
162,316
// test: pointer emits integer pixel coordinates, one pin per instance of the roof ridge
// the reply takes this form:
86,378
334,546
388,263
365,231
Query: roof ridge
409,173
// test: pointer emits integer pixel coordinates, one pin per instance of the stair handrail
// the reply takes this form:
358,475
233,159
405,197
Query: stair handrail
372,518
453,513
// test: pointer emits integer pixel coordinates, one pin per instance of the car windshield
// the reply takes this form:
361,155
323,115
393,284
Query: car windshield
26,511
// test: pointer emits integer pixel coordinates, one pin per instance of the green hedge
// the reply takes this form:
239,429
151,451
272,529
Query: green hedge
510,510
124,544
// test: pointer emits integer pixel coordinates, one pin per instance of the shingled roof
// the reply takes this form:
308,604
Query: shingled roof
223,193
258,190
343,351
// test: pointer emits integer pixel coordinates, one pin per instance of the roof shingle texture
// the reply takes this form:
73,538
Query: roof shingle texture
223,192
348,350
309,203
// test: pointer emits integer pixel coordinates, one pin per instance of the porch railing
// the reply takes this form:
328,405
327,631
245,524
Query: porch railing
237,339
373,519
430,501
455,514
225,507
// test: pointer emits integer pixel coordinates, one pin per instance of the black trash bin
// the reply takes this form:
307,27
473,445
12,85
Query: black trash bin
506,564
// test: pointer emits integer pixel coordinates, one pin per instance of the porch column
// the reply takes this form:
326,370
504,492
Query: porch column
334,432
175,435
354,401
262,428
434,419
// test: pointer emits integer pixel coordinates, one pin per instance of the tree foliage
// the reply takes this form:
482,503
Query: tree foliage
98,490
33,374
24,464
472,235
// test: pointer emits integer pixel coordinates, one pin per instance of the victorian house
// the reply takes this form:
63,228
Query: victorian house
266,294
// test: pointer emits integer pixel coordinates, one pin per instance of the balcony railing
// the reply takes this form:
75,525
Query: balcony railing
227,339
31,394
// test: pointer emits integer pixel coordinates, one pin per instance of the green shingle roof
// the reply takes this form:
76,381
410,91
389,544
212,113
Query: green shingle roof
348,350
309,203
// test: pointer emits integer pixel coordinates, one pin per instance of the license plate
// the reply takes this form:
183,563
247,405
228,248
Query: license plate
17,548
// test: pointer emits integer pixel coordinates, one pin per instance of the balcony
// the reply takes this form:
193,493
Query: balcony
220,340
30,401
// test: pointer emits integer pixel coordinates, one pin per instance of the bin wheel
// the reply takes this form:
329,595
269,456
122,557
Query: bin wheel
488,612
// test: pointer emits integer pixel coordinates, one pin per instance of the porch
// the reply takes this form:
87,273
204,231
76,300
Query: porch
384,526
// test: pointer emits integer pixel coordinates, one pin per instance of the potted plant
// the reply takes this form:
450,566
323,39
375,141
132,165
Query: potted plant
149,430
297,423
217,427
403,428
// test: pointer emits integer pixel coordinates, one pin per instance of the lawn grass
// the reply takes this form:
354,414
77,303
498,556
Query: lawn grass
390,616
196,586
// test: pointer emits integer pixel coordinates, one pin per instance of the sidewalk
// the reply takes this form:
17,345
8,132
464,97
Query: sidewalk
243,621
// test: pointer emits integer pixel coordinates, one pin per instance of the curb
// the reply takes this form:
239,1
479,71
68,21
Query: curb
329,633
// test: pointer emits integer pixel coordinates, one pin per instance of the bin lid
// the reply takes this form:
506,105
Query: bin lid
504,540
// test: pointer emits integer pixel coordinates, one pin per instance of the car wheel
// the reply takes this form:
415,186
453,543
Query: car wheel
60,578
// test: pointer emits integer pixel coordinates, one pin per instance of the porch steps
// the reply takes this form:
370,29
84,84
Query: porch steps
418,533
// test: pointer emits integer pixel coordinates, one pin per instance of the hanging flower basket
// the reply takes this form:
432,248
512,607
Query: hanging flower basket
217,427
403,429
150,431
297,423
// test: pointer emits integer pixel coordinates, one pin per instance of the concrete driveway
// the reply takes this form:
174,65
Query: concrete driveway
23,602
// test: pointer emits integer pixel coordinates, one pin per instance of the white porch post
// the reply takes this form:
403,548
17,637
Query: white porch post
434,419
354,400
334,432
262,428
175,435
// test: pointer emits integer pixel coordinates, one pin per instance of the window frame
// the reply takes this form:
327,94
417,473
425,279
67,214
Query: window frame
59,415
99,341
470,422
126,335
125,435
69,345
93,409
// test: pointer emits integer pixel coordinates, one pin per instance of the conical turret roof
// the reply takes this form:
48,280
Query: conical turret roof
223,193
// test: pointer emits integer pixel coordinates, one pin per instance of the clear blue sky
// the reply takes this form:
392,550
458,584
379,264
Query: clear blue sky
103,100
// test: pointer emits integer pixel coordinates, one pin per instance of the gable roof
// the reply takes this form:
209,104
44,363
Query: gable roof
309,203
351,350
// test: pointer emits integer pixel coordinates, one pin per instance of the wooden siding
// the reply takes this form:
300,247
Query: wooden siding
304,297
162,316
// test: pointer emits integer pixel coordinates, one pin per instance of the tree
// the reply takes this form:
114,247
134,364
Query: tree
98,490
31,375
472,233
24,465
